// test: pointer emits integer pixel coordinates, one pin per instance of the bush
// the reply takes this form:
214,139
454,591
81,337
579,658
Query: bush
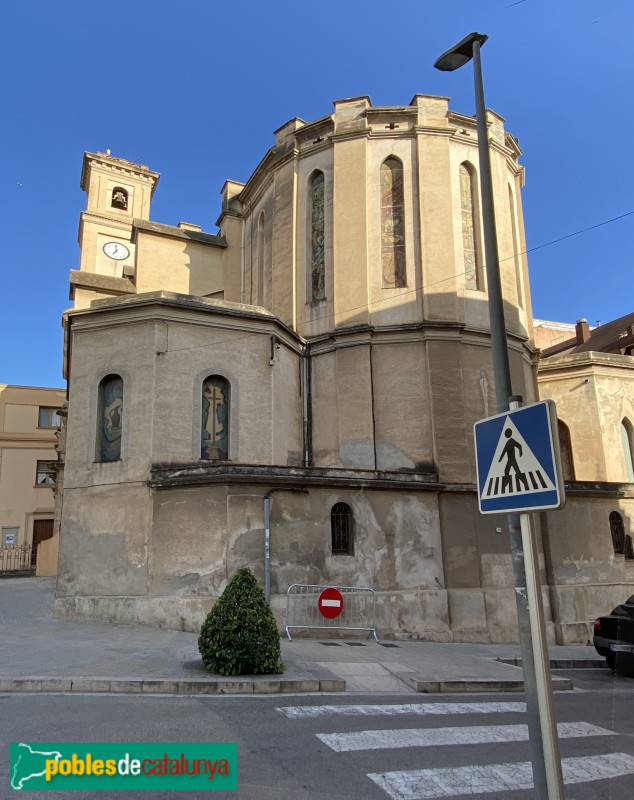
239,636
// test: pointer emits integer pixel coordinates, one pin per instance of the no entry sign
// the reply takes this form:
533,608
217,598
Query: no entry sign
330,603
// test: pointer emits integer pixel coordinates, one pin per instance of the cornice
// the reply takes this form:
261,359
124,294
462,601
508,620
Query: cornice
163,476
174,232
261,168
250,201
581,489
408,334
96,281
324,126
172,307
100,219
118,166
30,440
501,148
590,362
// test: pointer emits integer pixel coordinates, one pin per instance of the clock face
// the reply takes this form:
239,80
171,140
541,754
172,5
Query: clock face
116,250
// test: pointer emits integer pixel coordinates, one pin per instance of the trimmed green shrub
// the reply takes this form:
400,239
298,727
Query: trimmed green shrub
239,636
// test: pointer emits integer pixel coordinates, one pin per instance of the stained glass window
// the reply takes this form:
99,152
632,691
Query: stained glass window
214,445
342,529
317,238
392,224
469,245
111,418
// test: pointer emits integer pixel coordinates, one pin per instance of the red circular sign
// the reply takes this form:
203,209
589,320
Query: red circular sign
330,603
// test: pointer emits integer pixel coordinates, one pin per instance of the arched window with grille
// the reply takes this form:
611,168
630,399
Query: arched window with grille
627,440
393,224
470,238
110,419
617,532
342,530
565,448
317,250
214,440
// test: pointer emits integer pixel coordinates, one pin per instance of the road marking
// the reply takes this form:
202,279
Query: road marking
303,712
425,784
438,737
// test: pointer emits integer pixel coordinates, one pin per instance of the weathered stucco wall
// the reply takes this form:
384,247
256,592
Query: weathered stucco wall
586,578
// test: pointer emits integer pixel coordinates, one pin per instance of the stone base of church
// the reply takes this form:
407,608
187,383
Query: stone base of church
418,615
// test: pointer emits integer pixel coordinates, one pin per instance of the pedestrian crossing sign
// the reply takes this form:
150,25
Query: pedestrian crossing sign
518,460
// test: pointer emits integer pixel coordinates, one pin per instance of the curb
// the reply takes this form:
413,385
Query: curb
477,685
564,663
181,687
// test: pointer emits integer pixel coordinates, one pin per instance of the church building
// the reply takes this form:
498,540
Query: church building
320,361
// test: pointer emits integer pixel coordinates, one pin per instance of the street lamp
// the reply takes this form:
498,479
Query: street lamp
542,731
453,59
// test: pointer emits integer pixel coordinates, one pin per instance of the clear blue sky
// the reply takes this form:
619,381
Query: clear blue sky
195,89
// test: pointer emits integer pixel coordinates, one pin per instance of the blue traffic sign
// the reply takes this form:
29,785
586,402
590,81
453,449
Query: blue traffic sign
518,460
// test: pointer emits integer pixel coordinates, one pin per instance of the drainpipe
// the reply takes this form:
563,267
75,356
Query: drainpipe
267,535
307,421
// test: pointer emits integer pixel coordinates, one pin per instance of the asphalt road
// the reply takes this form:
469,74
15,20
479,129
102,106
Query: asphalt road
325,747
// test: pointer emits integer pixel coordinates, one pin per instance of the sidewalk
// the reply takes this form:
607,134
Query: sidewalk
39,653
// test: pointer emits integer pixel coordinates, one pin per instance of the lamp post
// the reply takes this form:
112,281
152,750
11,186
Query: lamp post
546,762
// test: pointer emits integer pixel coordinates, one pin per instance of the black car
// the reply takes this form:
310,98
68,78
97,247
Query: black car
614,638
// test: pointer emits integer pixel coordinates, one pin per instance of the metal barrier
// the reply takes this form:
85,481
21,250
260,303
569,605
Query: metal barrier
16,559
358,614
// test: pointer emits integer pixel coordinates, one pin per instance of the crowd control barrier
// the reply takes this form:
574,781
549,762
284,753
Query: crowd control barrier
302,609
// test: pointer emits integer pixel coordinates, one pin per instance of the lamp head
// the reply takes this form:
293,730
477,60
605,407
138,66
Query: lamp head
460,53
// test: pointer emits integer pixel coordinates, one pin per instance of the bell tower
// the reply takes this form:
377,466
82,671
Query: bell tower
118,192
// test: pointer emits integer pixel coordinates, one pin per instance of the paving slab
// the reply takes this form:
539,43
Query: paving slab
79,655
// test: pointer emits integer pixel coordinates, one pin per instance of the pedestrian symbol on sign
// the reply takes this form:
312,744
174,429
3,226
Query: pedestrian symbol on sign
517,459
514,470
509,451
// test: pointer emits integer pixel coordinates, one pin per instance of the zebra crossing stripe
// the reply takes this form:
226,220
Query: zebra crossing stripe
438,737
307,712
429,784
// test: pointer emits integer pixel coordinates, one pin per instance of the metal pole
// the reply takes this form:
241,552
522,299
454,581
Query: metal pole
503,392
552,758
267,548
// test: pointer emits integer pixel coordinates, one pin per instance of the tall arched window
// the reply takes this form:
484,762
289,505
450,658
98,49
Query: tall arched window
259,278
618,533
317,238
627,439
214,440
119,198
392,224
110,421
470,250
565,447
516,256
342,530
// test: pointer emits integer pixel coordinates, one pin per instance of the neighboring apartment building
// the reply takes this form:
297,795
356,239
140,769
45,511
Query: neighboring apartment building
28,425
589,373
